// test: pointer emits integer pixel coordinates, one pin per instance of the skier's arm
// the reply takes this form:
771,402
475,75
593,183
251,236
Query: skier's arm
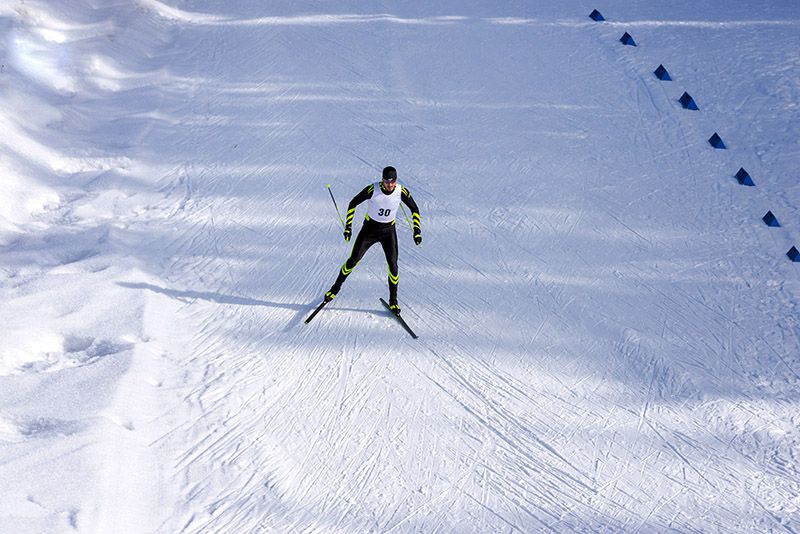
363,195
408,200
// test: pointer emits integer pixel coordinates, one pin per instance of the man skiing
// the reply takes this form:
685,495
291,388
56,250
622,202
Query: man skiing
383,202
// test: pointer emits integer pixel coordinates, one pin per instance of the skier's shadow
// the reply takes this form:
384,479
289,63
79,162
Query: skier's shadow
188,296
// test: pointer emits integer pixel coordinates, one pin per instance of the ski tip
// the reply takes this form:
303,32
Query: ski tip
329,186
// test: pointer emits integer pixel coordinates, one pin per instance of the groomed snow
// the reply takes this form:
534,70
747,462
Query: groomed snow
609,334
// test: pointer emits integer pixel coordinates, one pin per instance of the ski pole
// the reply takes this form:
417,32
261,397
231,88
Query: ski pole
406,216
336,206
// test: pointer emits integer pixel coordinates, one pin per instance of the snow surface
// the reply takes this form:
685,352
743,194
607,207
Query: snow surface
609,335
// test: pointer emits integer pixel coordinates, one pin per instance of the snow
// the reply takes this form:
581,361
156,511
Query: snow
609,335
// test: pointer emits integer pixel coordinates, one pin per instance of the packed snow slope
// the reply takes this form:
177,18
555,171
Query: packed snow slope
609,335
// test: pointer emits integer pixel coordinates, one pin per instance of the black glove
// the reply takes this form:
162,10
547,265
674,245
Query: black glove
347,233
417,238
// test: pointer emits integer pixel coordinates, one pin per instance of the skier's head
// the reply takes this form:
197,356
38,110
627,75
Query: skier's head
389,174
389,178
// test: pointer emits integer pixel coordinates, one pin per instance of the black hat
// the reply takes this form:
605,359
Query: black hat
389,174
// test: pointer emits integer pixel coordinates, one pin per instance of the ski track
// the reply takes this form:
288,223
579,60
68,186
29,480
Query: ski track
571,374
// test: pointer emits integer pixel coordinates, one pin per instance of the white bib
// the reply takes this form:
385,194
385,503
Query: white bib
382,207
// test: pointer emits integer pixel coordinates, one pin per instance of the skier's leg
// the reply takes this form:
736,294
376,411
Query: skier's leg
364,240
389,244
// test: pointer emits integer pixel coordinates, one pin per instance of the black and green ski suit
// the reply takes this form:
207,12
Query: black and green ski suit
377,231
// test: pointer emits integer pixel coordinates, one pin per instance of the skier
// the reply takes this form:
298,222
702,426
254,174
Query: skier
383,203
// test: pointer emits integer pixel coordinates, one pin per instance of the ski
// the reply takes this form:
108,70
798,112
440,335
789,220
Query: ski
315,312
402,321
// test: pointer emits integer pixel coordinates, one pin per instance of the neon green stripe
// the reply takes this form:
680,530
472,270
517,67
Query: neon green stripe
345,270
393,278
